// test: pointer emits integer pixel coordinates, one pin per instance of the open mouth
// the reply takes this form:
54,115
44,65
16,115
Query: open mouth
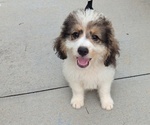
83,62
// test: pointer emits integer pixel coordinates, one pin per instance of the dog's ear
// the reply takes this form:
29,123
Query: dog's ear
111,44
59,44
59,47
113,50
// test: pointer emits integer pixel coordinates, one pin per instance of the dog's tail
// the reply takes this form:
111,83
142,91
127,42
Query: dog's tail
89,5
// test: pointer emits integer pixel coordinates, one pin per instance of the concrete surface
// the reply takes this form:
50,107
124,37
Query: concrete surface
33,90
131,107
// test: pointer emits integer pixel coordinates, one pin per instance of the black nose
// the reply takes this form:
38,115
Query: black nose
83,51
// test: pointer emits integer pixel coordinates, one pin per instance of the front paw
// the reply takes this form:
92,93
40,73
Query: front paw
77,103
107,104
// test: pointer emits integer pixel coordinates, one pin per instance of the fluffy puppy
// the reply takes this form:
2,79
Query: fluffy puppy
88,48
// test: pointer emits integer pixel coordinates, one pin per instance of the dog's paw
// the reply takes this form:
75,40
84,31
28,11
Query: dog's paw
77,103
107,104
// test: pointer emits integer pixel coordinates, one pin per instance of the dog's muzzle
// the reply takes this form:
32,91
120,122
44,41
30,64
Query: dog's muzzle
82,60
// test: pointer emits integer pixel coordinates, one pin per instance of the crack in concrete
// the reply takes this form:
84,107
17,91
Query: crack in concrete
27,93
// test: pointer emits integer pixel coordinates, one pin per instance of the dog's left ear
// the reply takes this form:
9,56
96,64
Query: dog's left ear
110,42
59,47
113,50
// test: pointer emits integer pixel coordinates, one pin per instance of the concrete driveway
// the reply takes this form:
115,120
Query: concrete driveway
32,88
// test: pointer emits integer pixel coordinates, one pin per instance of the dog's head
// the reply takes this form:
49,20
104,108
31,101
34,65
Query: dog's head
87,37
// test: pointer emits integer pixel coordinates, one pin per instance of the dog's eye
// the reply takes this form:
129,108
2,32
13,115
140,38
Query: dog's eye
95,38
75,35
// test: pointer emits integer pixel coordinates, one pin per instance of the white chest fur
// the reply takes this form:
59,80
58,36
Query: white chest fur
90,77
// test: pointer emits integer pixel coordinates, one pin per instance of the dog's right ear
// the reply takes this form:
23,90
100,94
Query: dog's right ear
59,44
59,47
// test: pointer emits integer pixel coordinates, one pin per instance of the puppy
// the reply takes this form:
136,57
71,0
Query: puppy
88,48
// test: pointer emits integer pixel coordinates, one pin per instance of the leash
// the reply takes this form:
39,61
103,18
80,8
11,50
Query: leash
89,5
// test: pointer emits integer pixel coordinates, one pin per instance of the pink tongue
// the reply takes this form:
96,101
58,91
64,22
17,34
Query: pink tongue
83,61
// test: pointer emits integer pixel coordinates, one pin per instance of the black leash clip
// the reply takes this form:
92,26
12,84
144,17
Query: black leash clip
89,5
